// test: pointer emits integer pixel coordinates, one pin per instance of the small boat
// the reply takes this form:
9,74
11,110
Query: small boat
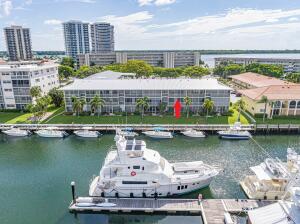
193,133
87,133
17,132
158,133
235,132
126,132
51,132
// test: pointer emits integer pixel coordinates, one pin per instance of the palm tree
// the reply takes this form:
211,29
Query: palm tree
82,102
76,105
208,105
96,104
188,101
143,104
264,100
162,107
35,92
240,105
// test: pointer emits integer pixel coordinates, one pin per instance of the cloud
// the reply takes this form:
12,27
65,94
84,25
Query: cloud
6,7
80,1
292,19
52,22
155,2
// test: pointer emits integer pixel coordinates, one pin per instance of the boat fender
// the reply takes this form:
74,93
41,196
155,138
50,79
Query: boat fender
133,173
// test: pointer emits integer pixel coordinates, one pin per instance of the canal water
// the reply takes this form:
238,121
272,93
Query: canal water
35,173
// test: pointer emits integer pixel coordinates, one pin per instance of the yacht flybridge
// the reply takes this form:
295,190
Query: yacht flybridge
133,170
272,177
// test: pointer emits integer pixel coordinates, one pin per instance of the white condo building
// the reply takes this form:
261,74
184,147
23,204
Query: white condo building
77,41
16,79
102,37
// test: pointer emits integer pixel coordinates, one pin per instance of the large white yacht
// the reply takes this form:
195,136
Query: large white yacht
86,132
272,177
126,132
193,133
51,132
235,132
133,170
158,133
16,132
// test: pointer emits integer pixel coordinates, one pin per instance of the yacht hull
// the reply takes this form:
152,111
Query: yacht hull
90,134
14,134
158,136
193,135
234,137
46,135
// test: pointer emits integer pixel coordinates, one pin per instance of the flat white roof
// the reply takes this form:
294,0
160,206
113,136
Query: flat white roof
146,84
108,75
27,67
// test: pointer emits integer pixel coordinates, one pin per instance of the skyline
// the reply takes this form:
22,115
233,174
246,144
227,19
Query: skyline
162,24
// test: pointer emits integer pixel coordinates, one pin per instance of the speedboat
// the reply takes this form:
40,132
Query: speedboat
235,132
17,132
51,132
193,133
127,132
87,133
158,133
133,170
271,178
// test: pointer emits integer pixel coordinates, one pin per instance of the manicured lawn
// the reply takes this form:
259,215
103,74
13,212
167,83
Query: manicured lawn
6,116
135,119
279,120
234,117
23,118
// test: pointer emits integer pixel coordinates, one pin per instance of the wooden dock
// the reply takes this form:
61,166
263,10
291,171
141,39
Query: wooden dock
211,210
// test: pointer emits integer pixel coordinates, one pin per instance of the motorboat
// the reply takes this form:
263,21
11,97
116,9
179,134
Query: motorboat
16,132
51,132
126,132
271,178
158,133
193,133
235,132
87,133
132,170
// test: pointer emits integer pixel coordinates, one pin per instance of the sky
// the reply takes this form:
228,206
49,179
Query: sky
163,24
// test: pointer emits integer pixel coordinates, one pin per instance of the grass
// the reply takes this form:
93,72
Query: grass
23,118
6,116
135,119
279,120
234,117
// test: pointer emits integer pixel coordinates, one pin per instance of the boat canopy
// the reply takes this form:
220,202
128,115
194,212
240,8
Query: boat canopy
260,173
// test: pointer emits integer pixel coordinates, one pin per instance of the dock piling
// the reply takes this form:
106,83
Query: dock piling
73,191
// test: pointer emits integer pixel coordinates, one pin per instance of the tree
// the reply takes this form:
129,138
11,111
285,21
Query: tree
96,104
188,101
266,69
65,72
57,96
233,69
240,105
39,109
68,61
142,104
82,103
85,71
162,107
195,71
35,92
139,67
76,105
264,100
208,105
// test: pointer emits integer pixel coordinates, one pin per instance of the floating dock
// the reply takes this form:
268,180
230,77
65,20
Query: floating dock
211,210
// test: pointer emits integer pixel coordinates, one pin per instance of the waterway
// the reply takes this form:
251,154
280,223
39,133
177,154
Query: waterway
35,173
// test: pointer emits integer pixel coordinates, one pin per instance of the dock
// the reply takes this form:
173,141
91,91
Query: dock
210,210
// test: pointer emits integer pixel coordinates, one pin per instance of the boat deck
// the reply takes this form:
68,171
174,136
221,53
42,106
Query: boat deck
211,210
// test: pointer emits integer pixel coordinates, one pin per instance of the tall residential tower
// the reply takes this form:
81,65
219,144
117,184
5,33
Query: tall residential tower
76,35
102,35
18,43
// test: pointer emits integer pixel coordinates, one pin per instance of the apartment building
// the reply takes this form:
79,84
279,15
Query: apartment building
158,58
102,37
289,65
17,79
120,95
18,43
77,41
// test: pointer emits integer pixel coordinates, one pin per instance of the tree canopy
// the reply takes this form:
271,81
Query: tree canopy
68,61
65,72
140,68
57,96
195,71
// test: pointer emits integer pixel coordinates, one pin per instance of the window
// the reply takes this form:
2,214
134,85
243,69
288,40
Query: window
6,81
136,167
134,182
8,90
182,187
185,187
178,188
293,104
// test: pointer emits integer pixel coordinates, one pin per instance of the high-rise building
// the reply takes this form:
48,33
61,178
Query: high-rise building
102,35
76,35
18,42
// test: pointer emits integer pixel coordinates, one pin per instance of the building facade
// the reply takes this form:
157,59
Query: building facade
16,81
77,41
167,59
102,37
289,65
120,95
18,43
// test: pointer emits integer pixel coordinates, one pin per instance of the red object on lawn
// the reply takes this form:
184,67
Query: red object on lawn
177,108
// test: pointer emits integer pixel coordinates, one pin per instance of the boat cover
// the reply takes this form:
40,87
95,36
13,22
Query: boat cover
186,166
261,173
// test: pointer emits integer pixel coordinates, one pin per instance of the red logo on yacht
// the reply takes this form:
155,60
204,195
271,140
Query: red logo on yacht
133,173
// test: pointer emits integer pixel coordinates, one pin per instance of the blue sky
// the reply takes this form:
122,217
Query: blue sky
163,24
